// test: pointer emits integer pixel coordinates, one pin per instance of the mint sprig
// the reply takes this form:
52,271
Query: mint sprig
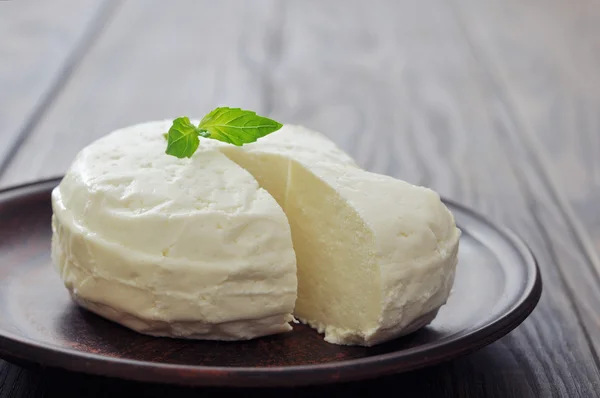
232,125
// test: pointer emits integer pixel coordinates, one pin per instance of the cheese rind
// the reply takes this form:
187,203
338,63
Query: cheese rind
173,247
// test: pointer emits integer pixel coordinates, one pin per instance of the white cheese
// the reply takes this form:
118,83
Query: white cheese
376,256
194,248
172,247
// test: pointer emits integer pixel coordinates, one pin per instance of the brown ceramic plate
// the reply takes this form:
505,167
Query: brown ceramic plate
497,286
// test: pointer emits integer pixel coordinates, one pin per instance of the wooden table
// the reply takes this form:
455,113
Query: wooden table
495,104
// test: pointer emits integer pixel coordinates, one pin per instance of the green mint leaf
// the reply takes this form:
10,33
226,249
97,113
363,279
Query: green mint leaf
182,138
237,126
232,125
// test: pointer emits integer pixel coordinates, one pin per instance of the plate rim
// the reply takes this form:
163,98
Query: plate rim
22,349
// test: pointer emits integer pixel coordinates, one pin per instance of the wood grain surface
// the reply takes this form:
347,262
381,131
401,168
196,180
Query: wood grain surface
39,49
548,60
493,104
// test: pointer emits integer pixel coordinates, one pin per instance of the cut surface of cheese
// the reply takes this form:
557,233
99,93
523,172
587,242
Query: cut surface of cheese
269,158
376,256
172,247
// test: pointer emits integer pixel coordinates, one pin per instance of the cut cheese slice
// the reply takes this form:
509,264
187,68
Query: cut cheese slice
376,256
172,247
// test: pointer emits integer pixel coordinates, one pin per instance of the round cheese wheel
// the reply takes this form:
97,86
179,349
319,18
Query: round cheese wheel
188,248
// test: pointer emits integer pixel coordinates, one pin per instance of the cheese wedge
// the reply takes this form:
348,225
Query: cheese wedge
376,256
188,248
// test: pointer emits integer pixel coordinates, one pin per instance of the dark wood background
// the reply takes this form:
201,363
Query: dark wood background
495,104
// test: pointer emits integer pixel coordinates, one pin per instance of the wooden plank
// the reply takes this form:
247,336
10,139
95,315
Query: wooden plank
550,66
155,61
400,86
548,69
42,42
19,382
